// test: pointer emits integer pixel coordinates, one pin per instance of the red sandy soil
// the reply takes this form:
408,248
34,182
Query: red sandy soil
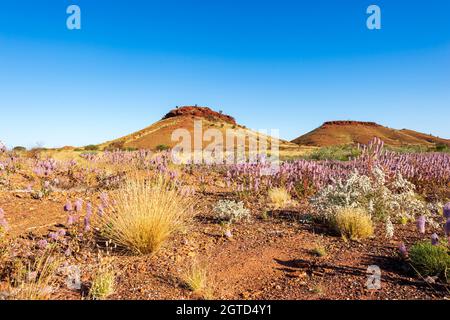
353,132
268,258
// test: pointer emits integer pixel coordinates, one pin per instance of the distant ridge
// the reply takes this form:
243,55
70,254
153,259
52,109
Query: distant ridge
344,132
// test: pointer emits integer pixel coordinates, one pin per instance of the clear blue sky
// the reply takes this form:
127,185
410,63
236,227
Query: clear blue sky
271,64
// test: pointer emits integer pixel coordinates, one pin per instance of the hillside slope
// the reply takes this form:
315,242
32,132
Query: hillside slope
353,132
160,133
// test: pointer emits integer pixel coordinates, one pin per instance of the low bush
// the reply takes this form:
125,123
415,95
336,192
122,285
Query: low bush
386,199
231,211
430,260
162,147
341,153
91,147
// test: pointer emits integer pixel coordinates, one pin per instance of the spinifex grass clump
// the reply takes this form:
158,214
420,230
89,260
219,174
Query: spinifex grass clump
103,283
198,281
430,260
37,280
279,197
144,214
353,223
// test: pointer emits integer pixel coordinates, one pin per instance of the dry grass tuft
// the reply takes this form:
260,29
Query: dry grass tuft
103,283
279,197
36,281
145,213
353,223
197,280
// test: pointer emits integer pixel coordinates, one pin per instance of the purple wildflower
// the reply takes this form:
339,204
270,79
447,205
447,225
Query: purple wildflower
101,211
42,244
53,235
68,206
104,199
447,211
87,223
61,233
87,218
79,205
89,209
421,224
3,222
434,239
447,227
70,220
403,250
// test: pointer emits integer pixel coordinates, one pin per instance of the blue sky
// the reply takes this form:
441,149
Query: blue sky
280,64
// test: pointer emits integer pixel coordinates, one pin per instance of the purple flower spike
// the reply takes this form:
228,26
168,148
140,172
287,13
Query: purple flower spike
434,239
70,220
447,211
87,223
403,250
68,206
101,211
104,199
3,222
42,244
421,224
447,227
89,209
79,205
53,235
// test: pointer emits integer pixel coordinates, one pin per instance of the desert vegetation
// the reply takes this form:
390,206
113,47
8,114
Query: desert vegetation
118,224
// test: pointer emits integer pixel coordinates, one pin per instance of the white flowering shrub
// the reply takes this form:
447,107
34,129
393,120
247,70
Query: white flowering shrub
231,211
395,200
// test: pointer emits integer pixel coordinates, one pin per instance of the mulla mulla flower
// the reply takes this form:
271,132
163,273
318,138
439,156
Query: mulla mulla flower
447,228
101,210
71,219
421,221
447,211
403,251
87,218
42,244
54,236
3,222
68,206
434,239
79,205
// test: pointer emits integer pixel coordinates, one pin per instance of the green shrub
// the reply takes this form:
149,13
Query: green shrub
118,145
162,147
19,149
341,153
442,147
430,260
91,147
